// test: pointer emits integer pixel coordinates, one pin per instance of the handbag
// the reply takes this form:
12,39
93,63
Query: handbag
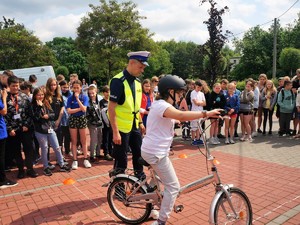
245,107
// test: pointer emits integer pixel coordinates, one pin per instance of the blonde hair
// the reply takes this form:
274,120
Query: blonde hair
273,88
216,84
205,87
230,85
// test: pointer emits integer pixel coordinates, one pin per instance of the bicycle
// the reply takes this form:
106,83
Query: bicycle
132,199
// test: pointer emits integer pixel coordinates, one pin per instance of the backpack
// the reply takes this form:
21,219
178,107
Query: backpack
105,117
188,97
282,94
282,98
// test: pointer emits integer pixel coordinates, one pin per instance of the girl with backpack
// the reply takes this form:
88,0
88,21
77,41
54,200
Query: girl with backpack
95,125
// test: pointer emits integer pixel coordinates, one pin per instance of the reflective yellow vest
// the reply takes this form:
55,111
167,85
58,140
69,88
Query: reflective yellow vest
128,111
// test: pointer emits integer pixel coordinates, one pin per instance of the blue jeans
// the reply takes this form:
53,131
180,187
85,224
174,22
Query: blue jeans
43,140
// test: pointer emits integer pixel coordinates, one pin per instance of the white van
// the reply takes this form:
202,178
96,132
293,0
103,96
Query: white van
42,73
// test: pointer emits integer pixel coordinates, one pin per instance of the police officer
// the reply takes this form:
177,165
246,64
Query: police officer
123,111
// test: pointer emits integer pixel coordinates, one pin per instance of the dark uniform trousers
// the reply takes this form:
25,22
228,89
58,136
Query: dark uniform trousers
133,139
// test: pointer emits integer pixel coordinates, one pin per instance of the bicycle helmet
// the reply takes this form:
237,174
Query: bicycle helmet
170,82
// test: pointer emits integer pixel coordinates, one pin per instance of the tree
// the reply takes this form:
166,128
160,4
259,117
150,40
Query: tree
159,63
63,70
256,50
220,69
290,35
107,34
67,55
19,48
216,40
289,60
185,57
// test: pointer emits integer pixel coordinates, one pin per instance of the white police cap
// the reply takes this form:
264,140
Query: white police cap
141,56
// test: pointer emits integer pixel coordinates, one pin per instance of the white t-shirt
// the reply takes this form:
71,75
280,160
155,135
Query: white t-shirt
160,130
199,96
256,98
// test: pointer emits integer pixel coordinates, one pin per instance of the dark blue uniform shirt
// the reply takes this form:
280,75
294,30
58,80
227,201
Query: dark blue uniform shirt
117,88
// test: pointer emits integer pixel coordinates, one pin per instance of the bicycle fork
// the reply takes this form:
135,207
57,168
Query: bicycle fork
221,189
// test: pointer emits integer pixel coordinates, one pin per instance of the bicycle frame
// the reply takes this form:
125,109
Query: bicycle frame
211,178
155,195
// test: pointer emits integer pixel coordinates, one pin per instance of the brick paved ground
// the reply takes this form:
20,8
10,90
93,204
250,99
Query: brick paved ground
268,170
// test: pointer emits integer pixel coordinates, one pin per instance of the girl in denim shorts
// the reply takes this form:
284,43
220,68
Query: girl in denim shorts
76,107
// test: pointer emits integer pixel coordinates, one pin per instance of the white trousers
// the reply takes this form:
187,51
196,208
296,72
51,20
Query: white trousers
163,167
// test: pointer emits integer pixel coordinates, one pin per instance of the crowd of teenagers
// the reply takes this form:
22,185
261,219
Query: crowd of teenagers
252,108
60,113
55,116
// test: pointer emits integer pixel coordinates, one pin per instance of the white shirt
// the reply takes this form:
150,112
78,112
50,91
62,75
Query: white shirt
160,130
256,98
199,96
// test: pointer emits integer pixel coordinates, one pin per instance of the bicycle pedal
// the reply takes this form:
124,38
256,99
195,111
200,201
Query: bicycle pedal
178,208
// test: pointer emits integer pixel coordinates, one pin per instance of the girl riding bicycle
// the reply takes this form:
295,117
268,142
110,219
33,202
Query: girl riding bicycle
160,131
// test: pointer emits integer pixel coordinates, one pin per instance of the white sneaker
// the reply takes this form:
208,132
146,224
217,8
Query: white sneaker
217,140
232,141
254,134
154,214
87,164
227,141
75,165
214,141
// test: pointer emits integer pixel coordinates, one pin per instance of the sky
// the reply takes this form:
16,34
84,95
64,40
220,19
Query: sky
181,20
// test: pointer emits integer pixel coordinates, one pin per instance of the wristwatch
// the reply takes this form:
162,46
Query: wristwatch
204,112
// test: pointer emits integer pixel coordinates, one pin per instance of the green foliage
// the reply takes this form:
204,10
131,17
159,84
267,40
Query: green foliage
107,34
19,48
256,49
220,68
289,60
185,58
67,55
159,63
289,37
7,23
241,85
63,70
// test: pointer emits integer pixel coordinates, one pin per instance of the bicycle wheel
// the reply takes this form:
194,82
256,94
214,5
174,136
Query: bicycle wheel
128,212
223,213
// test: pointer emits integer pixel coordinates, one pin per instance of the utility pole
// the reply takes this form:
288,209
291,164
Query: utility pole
274,49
